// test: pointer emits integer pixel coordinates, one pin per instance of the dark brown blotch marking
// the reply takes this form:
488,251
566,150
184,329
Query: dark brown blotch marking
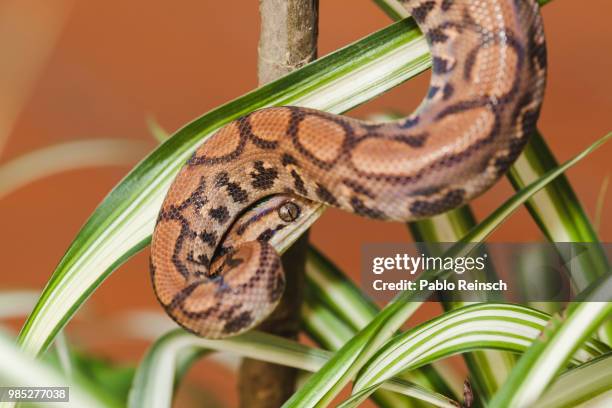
196,198
441,65
361,209
200,259
420,12
256,217
436,36
232,261
425,208
220,214
237,193
238,323
426,191
203,314
209,238
447,4
417,140
229,312
410,122
433,91
448,91
221,179
267,234
275,287
526,119
529,117
185,233
298,183
224,250
325,195
358,188
263,178
288,159
536,48
180,297
503,162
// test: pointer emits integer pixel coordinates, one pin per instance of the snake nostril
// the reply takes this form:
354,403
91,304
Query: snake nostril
289,211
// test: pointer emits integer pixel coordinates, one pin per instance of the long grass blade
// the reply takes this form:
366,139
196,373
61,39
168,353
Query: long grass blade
62,157
583,383
562,337
480,326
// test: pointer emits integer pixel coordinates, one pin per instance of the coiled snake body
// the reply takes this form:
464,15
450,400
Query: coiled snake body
488,77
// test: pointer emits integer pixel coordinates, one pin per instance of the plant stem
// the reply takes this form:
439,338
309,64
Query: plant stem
288,40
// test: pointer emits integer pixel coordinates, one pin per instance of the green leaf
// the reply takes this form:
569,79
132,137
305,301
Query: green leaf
62,157
21,370
474,327
337,291
155,376
322,325
580,384
330,287
123,223
393,8
17,303
562,337
359,397
157,131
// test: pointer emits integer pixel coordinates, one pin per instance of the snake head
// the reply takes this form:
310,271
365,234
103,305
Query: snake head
279,220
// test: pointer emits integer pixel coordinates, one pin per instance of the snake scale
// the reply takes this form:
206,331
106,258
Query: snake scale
212,266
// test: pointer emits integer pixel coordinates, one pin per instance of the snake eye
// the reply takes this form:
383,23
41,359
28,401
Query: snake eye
288,211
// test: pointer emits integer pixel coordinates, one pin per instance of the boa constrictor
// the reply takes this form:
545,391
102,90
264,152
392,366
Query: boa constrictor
212,267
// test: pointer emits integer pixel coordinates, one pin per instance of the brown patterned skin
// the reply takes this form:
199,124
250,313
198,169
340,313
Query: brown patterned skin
488,78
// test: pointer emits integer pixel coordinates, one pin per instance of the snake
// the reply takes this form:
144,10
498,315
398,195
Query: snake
213,267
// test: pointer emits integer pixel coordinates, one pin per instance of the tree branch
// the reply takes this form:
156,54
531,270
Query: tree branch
288,40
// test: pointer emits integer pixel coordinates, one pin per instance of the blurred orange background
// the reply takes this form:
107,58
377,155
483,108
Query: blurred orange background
92,69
